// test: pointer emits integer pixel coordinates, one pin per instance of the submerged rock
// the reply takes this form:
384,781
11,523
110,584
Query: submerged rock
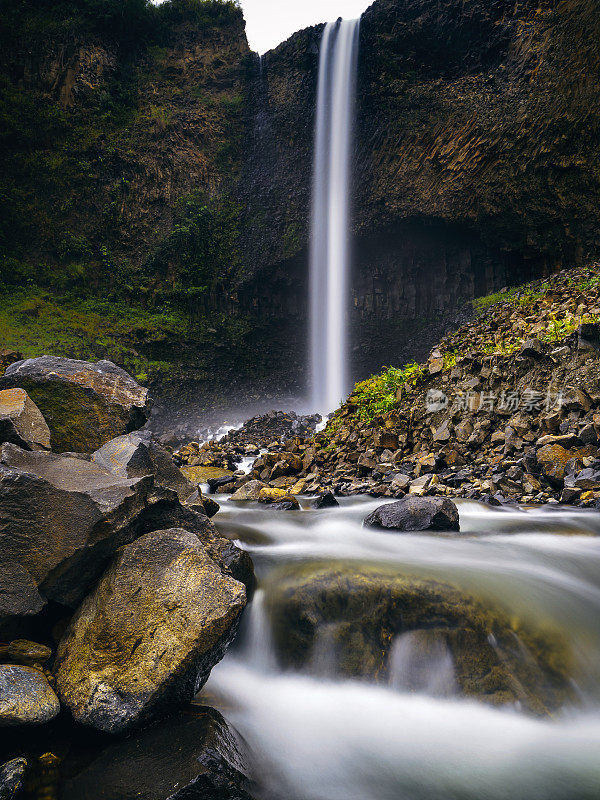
11,777
26,697
414,513
84,404
354,614
146,639
21,421
193,755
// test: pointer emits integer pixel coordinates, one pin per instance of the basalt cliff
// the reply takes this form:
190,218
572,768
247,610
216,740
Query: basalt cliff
166,168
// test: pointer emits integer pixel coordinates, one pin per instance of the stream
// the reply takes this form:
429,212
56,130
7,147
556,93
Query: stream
317,736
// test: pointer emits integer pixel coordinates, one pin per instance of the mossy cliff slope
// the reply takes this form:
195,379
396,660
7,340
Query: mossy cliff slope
155,171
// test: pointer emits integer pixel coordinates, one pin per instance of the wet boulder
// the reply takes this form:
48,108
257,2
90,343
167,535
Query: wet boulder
29,654
144,641
192,755
84,404
414,513
26,697
11,778
62,518
21,421
349,616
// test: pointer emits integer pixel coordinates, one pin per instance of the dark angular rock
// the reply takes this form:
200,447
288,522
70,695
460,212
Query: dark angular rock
326,500
19,597
532,348
63,517
416,514
84,404
11,777
147,637
193,756
134,455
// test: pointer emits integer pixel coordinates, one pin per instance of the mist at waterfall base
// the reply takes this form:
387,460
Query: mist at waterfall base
317,736
330,226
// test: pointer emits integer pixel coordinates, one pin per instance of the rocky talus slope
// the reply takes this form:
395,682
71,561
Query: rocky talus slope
506,408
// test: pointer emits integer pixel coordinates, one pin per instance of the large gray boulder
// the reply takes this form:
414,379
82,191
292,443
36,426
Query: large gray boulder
147,637
21,421
416,514
26,697
62,518
20,599
192,755
84,404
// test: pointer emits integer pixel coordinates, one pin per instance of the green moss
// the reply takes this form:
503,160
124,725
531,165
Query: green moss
379,394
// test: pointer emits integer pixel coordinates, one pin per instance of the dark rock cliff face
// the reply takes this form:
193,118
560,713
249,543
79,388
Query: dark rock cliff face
476,163
476,157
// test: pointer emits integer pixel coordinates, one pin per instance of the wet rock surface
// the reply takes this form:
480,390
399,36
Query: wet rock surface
11,777
352,615
64,516
144,641
416,514
84,404
191,756
26,697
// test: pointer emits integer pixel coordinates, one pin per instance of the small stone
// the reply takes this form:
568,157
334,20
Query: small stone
532,348
22,651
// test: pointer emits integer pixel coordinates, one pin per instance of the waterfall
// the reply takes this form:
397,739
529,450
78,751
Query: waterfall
329,257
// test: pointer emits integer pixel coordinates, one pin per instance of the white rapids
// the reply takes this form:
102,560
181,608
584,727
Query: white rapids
316,736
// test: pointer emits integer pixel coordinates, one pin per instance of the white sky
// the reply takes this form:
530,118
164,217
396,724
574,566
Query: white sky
269,22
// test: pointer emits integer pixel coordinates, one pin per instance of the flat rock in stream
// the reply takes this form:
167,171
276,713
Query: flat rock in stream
145,640
193,756
416,514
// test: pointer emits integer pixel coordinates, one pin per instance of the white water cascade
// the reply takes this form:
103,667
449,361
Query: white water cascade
329,257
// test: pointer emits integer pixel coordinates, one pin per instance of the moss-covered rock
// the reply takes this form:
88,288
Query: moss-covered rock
146,639
361,610
84,404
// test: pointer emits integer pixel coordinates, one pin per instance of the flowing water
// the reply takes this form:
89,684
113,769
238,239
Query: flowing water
317,736
330,213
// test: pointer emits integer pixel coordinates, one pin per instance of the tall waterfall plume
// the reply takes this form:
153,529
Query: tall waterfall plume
330,230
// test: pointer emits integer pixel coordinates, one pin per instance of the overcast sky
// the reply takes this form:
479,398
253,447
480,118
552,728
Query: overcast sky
269,22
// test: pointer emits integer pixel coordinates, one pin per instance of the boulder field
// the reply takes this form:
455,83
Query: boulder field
117,593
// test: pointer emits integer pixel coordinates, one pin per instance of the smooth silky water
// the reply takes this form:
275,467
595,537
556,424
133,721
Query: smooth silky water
318,737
